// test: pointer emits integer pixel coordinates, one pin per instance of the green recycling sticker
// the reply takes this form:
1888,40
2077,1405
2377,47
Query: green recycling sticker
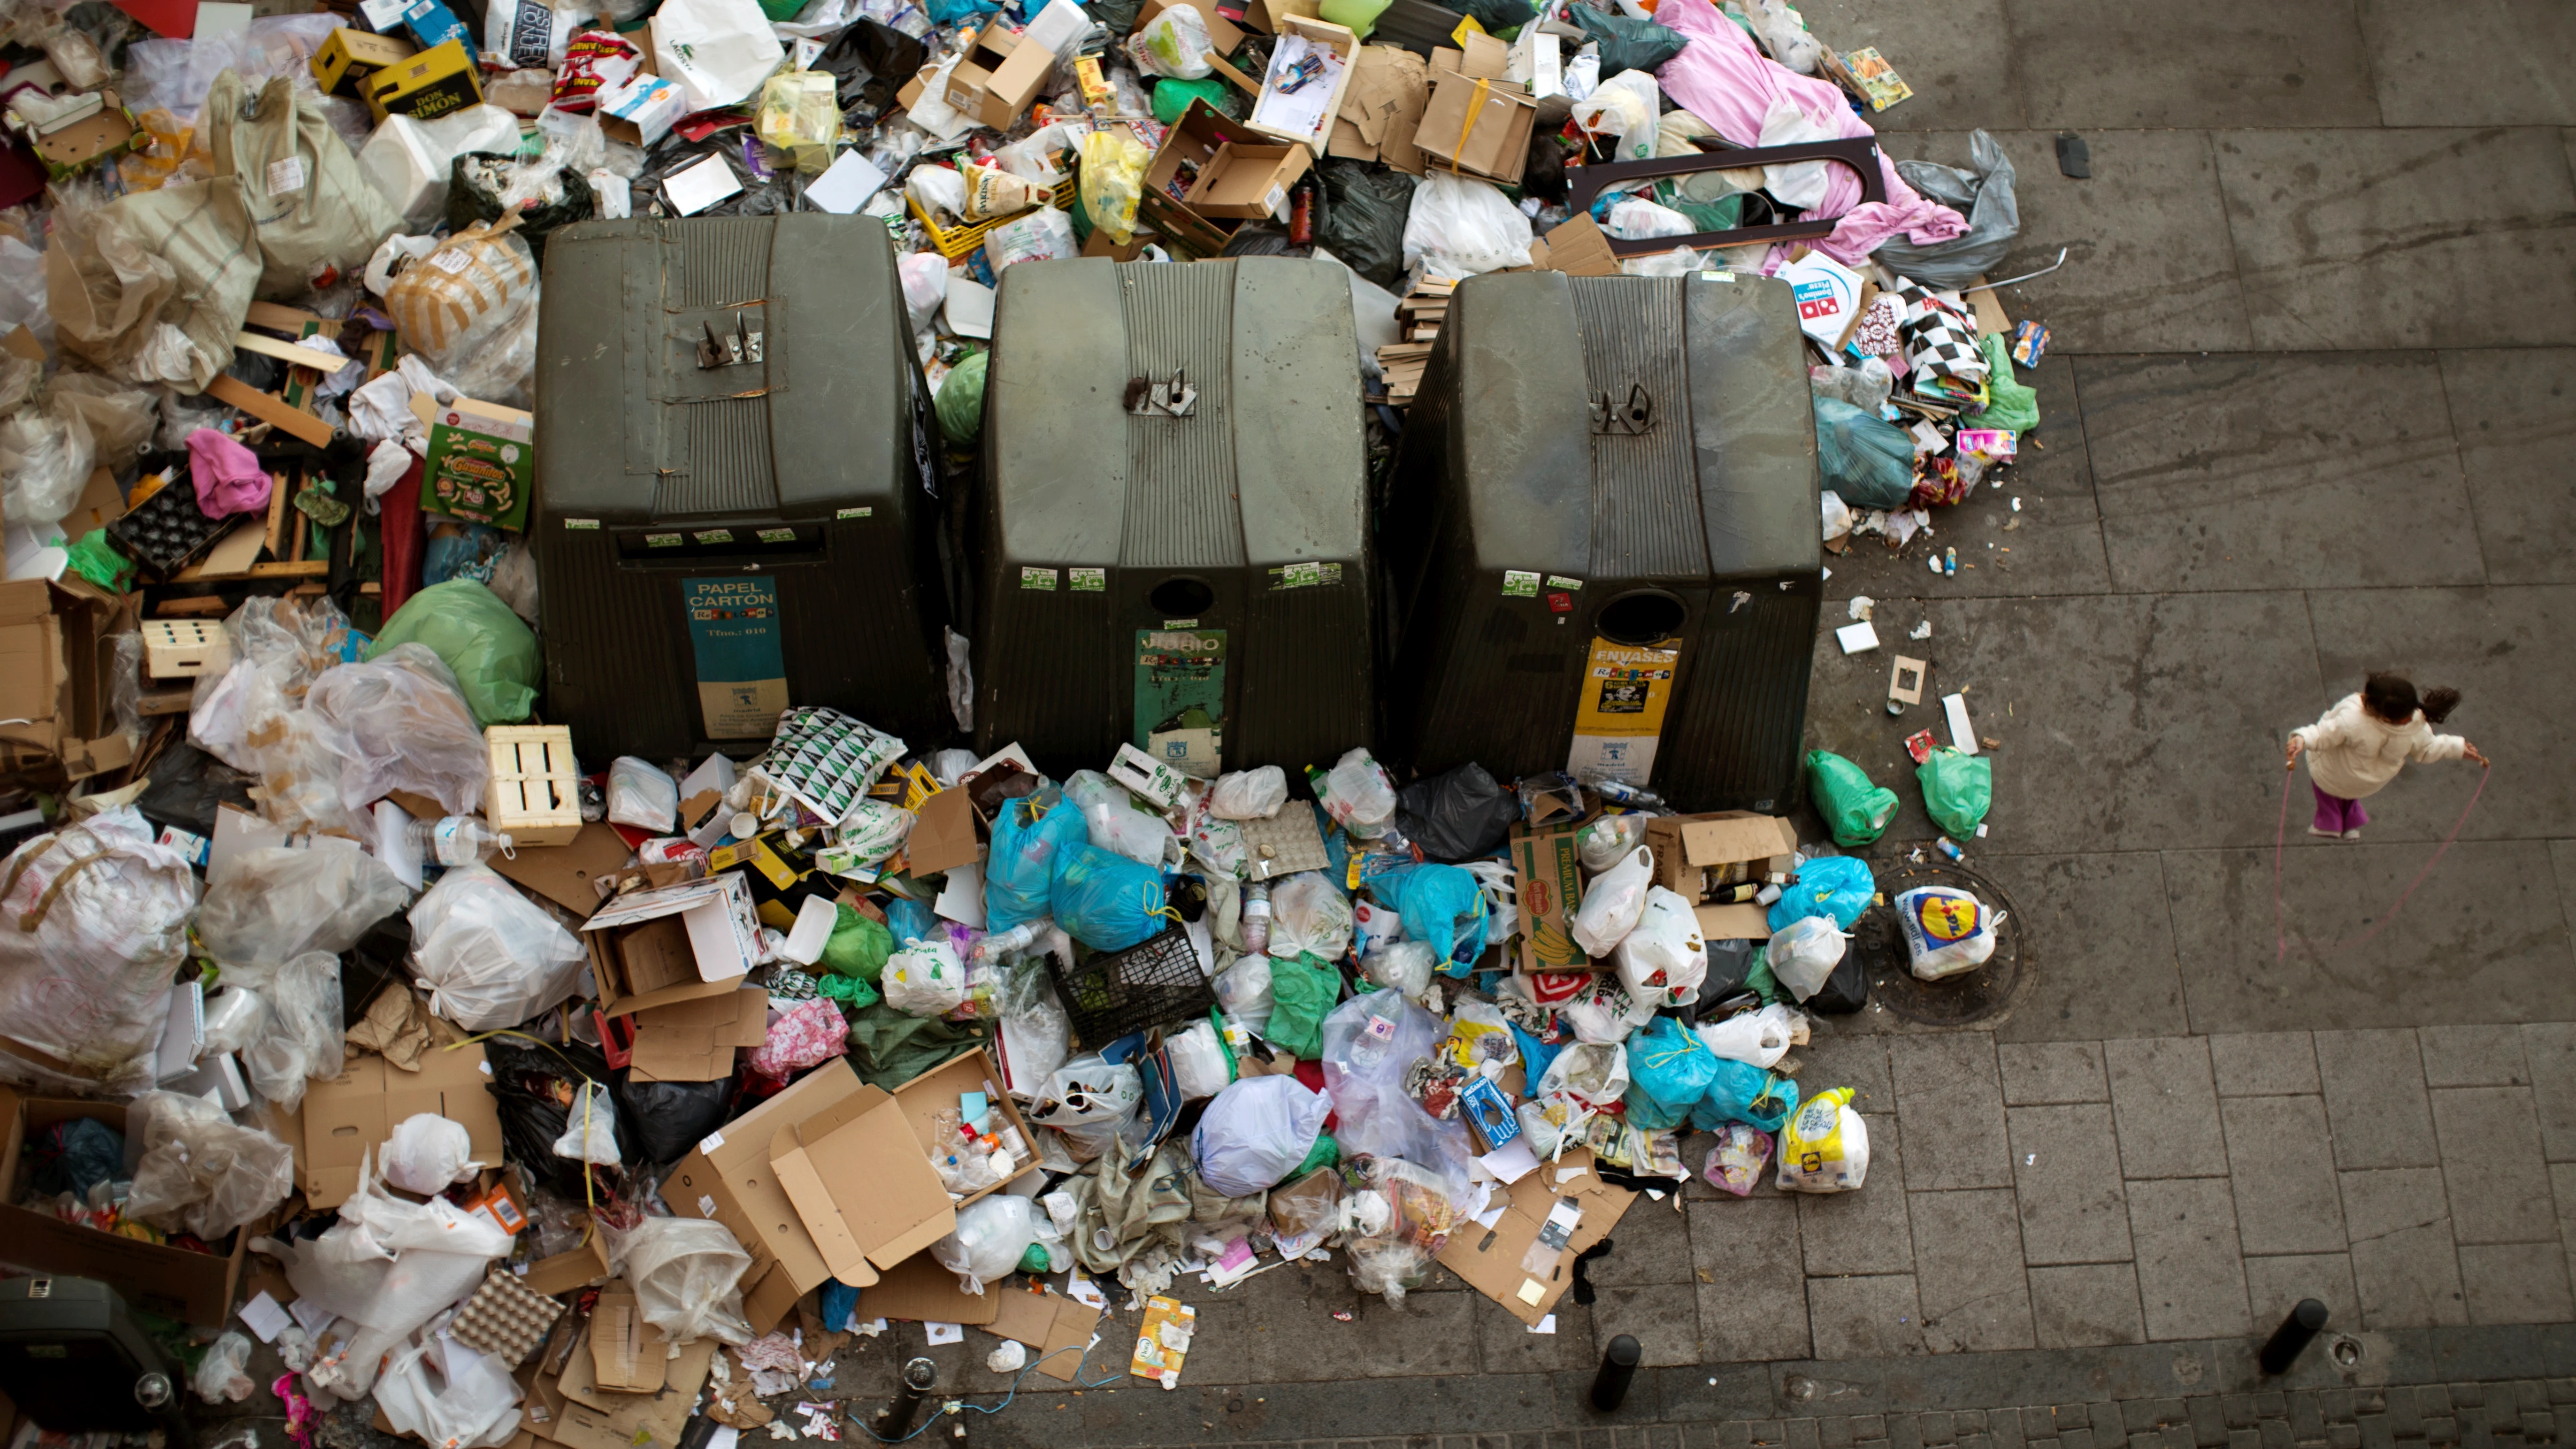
1520,584
1033,577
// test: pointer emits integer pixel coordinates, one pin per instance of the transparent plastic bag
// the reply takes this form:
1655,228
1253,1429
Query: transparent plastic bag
590,1127
1256,1132
428,1154
1117,823
1174,43
991,1236
800,116
1113,178
97,927
1309,916
641,795
198,1171
448,1395
1403,966
1593,1073
1243,991
219,1378
1865,385
268,906
1604,842
405,726
1612,902
1249,794
303,1042
1460,226
489,958
469,309
1625,106
1663,958
1357,794
687,1274
44,460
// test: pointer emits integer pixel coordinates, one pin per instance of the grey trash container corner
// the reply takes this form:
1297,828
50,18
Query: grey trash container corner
1198,586
714,544
1602,541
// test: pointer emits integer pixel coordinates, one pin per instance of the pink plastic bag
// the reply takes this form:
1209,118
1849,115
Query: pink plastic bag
809,1034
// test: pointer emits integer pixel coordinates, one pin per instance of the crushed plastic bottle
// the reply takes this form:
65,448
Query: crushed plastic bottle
1256,918
454,840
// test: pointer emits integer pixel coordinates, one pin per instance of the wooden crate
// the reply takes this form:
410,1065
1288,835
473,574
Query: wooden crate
534,797
185,648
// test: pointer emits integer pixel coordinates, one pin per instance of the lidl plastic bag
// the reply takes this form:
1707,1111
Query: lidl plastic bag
1758,1038
1803,953
686,1273
1742,1092
1302,991
1029,835
1669,1071
1256,1132
1957,789
1838,887
1663,959
447,1394
1106,901
1856,810
1113,179
1613,902
97,919
403,725
490,649
925,978
1825,1147
1309,916
198,1171
1864,459
986,1245
315,211
1946,931
489,958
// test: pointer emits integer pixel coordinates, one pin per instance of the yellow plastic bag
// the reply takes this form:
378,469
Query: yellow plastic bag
801,116
1825,1145
1113,180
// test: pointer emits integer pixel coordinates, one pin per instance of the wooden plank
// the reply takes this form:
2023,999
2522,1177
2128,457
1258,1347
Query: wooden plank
268,408
198,607
1250,86
288,352
276,538
284,319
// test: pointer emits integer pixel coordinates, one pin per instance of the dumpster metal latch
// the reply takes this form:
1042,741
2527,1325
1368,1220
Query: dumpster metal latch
722,349
1636,415
1177,398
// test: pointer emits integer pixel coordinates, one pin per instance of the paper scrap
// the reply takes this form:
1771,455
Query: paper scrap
846,184
311,1315
943,1332
1510,1162
1544,1325
265,1317
1083,1290
693,189
962,900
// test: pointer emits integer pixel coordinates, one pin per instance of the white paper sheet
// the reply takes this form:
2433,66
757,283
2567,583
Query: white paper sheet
846,184
693,189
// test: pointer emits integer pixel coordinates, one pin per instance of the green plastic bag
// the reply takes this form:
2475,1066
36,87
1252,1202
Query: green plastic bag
1628,44
858,946
960,403
850,991
492,651
2009,405
1325,1153
1172,95
1957,790
1302,989
1856,809
97,560
1358,16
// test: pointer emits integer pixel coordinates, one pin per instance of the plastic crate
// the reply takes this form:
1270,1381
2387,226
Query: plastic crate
167,529
1118,993
955,242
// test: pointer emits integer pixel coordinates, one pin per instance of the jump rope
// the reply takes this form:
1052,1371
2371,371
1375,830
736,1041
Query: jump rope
2280,841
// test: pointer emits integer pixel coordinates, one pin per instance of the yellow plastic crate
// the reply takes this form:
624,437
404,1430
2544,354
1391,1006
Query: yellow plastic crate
955,242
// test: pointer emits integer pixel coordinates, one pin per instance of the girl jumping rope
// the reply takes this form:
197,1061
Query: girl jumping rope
2361,743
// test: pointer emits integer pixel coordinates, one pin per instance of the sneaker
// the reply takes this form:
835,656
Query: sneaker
2352,835
2327,834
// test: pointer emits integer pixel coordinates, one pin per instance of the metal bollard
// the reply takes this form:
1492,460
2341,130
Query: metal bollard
1618,1370
2292,1338
920,1375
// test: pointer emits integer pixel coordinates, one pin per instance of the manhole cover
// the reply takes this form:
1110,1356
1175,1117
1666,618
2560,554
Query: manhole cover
1953,1000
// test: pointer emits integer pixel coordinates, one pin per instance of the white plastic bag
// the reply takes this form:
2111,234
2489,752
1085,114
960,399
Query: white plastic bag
687,1277
1460,226
1593,1073
991,1235
937,190
489,958
197,1170
1174,43
590,1127
303,1037
642,796
1256,1132
267,906
1116,822
1824,1146
1249,794
1309,915
1799,184
403,725
1090,1100
718,50
1662,958
1638,220
1626,106
450,1396
1605,1012
96,924
1803,953
219,1378
1358,794
925,281
1243,990
428,1154
1784,33
1606,841
1199,1067
1761,1037
1613,901
388,1266
924,979
1401,966
1946,931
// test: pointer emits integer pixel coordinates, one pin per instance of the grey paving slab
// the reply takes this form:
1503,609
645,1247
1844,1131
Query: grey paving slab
2376,1107
2511,417
1662,1317
1752,1287
2165,1109
2562,1186
2274,1286
2491,1161
1968,1271
1835,1057
2263,1063
2284,1175
2515,1283
1505,1345
2498,647
2549,1052
2351,239
1865,1231
2066,1167
2404,1264
1867,1317
2047,1074
2110,968
2193,63
2482,939
2483,64
1649,1241
2252,472
2473,1056
1951,1104
2191,1279
2086,1305
1953,60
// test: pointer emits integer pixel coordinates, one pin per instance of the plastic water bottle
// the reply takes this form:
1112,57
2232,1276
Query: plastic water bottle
1001,945
1256,918
453,840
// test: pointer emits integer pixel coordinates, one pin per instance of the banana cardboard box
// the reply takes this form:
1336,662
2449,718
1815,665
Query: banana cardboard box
1548,875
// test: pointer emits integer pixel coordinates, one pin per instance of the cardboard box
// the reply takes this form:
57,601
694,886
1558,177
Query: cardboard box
919,1290
1479,126
1187,147
57,657
1578,248
351,1115
1695,855
1055,1328
434,83
863,1187
1478,57
69,146
1547,876
1325,35
676,943
626,1353
694,1041
192,1287
1381,108
349,58
1247,180
998,77
641,111
482,461
727,1177
1489,1259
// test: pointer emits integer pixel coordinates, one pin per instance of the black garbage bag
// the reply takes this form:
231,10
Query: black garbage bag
666,1119
1729,963
1260,241
186,786
1501,15
760,196
74,1156
475,182
534,1085
1457,816
1628,44
1845,991
871,62
1365,210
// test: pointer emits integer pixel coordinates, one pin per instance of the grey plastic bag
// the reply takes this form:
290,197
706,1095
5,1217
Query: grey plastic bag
1984,197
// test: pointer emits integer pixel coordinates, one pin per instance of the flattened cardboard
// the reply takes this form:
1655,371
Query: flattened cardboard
695,1041
863,1186
352,1114
57,655
1579,248
637,1421
919,1290
943,835
1381,108
192,1287
1547,877
1247,180
626,1353
568,874
1692,852
565,1272
1056,1328
1745,922
1489,1259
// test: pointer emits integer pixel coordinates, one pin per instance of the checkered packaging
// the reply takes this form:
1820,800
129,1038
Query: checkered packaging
1940,340
826,760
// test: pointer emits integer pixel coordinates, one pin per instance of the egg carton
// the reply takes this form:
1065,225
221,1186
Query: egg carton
505,1318
167,529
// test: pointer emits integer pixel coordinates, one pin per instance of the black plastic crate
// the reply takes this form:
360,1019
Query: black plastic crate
168,528
1110,994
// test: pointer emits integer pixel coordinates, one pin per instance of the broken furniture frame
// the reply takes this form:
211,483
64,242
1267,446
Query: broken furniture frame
1860,153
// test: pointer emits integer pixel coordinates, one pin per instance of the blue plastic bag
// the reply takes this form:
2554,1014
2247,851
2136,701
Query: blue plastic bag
1535,1054
1741,1092
1443,907
840,1307
1103,899
1836,886
1668,1073
1019,879
909,920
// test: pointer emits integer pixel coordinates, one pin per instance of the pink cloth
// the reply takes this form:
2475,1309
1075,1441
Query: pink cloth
228,476
1724,80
